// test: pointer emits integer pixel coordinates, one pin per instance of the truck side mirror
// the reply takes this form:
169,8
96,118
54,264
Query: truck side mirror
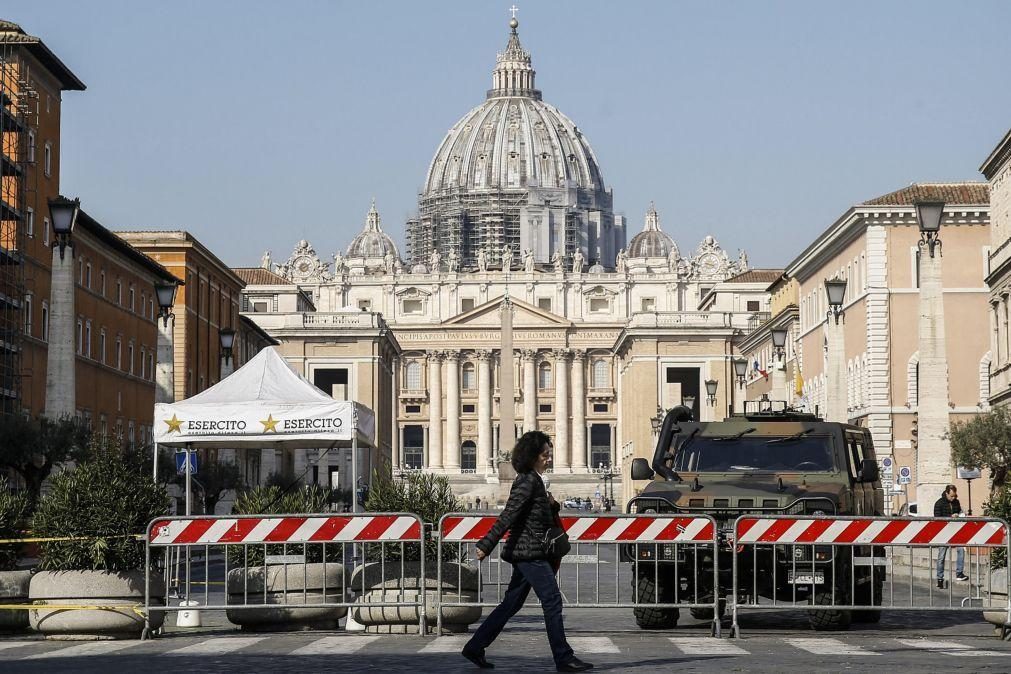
641,469
869,471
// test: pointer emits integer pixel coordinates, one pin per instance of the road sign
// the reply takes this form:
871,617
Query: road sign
886,465
905,475
968,473
181,462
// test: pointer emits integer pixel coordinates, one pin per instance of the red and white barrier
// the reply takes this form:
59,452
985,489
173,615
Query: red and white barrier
285,529
871,531
598,529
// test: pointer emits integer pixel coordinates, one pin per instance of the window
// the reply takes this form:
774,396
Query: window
649,304
413,307
412,376
101,280
150,308
466,304
45,321
45,231
132,305
600,378
544,376
600,445
414,446
129,355
28,314
412,409
119,292
544,408
468,409
544,303
598,305
365,305
143,363
87,275
48,159
80,272
753,305
150,365
80,336
469,378
600,408
259,307
119,353
87,339
468,457
31,146
101,346
30,222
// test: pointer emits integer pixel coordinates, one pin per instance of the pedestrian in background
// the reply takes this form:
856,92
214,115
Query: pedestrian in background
528,516
948,506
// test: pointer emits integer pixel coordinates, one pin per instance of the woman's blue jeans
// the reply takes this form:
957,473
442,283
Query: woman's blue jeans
539,576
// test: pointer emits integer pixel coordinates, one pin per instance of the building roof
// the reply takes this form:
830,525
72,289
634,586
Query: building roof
96,229
153,239
976,193
756,276
1000,154
13,34
258,276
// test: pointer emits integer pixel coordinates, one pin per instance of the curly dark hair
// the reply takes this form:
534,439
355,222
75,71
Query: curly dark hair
527,449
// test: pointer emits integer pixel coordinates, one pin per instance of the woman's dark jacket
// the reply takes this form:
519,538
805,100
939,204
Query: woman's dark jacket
527,516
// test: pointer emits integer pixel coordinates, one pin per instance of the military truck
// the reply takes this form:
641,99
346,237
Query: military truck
768,460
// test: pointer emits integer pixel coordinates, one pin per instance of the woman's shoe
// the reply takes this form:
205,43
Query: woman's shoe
478,659
574,665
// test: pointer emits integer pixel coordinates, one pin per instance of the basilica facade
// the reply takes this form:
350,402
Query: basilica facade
514,217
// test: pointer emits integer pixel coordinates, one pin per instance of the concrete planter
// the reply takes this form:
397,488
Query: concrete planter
14,590
287,586
92,588
459,582
998,583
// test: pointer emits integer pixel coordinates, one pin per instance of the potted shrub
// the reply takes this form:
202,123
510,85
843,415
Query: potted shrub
13,581
103,504
379,578
280,587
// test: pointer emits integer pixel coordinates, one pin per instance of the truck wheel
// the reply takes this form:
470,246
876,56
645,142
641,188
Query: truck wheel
649,618
829,619
707,613
870,615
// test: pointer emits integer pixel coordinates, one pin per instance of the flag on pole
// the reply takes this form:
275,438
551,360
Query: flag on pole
760,371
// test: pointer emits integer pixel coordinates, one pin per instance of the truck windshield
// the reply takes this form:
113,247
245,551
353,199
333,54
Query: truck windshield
752,454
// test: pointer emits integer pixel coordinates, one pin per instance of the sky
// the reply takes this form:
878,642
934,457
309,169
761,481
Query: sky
254,124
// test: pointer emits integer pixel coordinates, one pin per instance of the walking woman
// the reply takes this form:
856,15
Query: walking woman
528,515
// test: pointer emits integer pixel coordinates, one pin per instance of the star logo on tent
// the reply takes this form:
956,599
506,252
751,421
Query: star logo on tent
174,424
269,424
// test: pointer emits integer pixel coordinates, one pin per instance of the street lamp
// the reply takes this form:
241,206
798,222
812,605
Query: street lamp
928,215
656,421
227,337
689,402
63,212
835,288
778,341
165,293
741,370
711,386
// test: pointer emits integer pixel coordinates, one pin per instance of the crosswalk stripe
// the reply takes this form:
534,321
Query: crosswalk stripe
447,644
951,648
5,645
81,650
706,646
827,647
593,645
335,645
216,646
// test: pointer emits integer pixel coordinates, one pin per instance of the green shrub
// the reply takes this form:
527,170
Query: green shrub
271,500
13,511
104,502
427,495
999,505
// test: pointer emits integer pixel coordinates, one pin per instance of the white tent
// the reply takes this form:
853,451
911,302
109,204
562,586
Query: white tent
263,403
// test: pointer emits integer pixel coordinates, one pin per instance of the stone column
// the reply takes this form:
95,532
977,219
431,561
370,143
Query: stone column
578,411
61,367
164,378
933,455
484,428
394,416
451,455
561,439
435,444
779,378
835,371
529,358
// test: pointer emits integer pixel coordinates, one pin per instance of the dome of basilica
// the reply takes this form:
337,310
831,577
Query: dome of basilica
652,241
372,242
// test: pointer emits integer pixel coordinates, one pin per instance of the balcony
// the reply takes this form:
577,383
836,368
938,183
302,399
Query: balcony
758,318
600,393
348,319
690,319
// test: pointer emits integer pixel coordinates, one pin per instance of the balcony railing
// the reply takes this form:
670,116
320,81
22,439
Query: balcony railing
349,319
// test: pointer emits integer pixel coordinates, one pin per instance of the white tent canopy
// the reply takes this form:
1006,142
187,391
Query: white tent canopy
263,403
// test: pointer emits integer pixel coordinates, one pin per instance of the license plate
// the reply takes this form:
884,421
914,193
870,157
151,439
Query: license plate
816,578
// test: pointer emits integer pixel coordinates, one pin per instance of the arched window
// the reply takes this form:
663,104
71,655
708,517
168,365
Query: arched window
544,376
413,376
468,457
600,378
469,380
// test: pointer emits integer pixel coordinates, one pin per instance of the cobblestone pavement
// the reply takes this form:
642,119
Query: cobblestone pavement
771,642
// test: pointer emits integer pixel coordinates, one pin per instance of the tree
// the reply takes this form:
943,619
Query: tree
984,442
33,447
215,479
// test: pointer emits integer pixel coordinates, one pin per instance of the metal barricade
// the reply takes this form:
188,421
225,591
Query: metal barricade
285,562
646,553
843,569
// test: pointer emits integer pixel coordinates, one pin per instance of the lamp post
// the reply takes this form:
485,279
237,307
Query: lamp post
226,337
835,345
932,450
656,421
61,358
164,378
711,386
779,336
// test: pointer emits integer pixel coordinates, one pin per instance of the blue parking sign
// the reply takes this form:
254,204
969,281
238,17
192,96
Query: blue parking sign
181,462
